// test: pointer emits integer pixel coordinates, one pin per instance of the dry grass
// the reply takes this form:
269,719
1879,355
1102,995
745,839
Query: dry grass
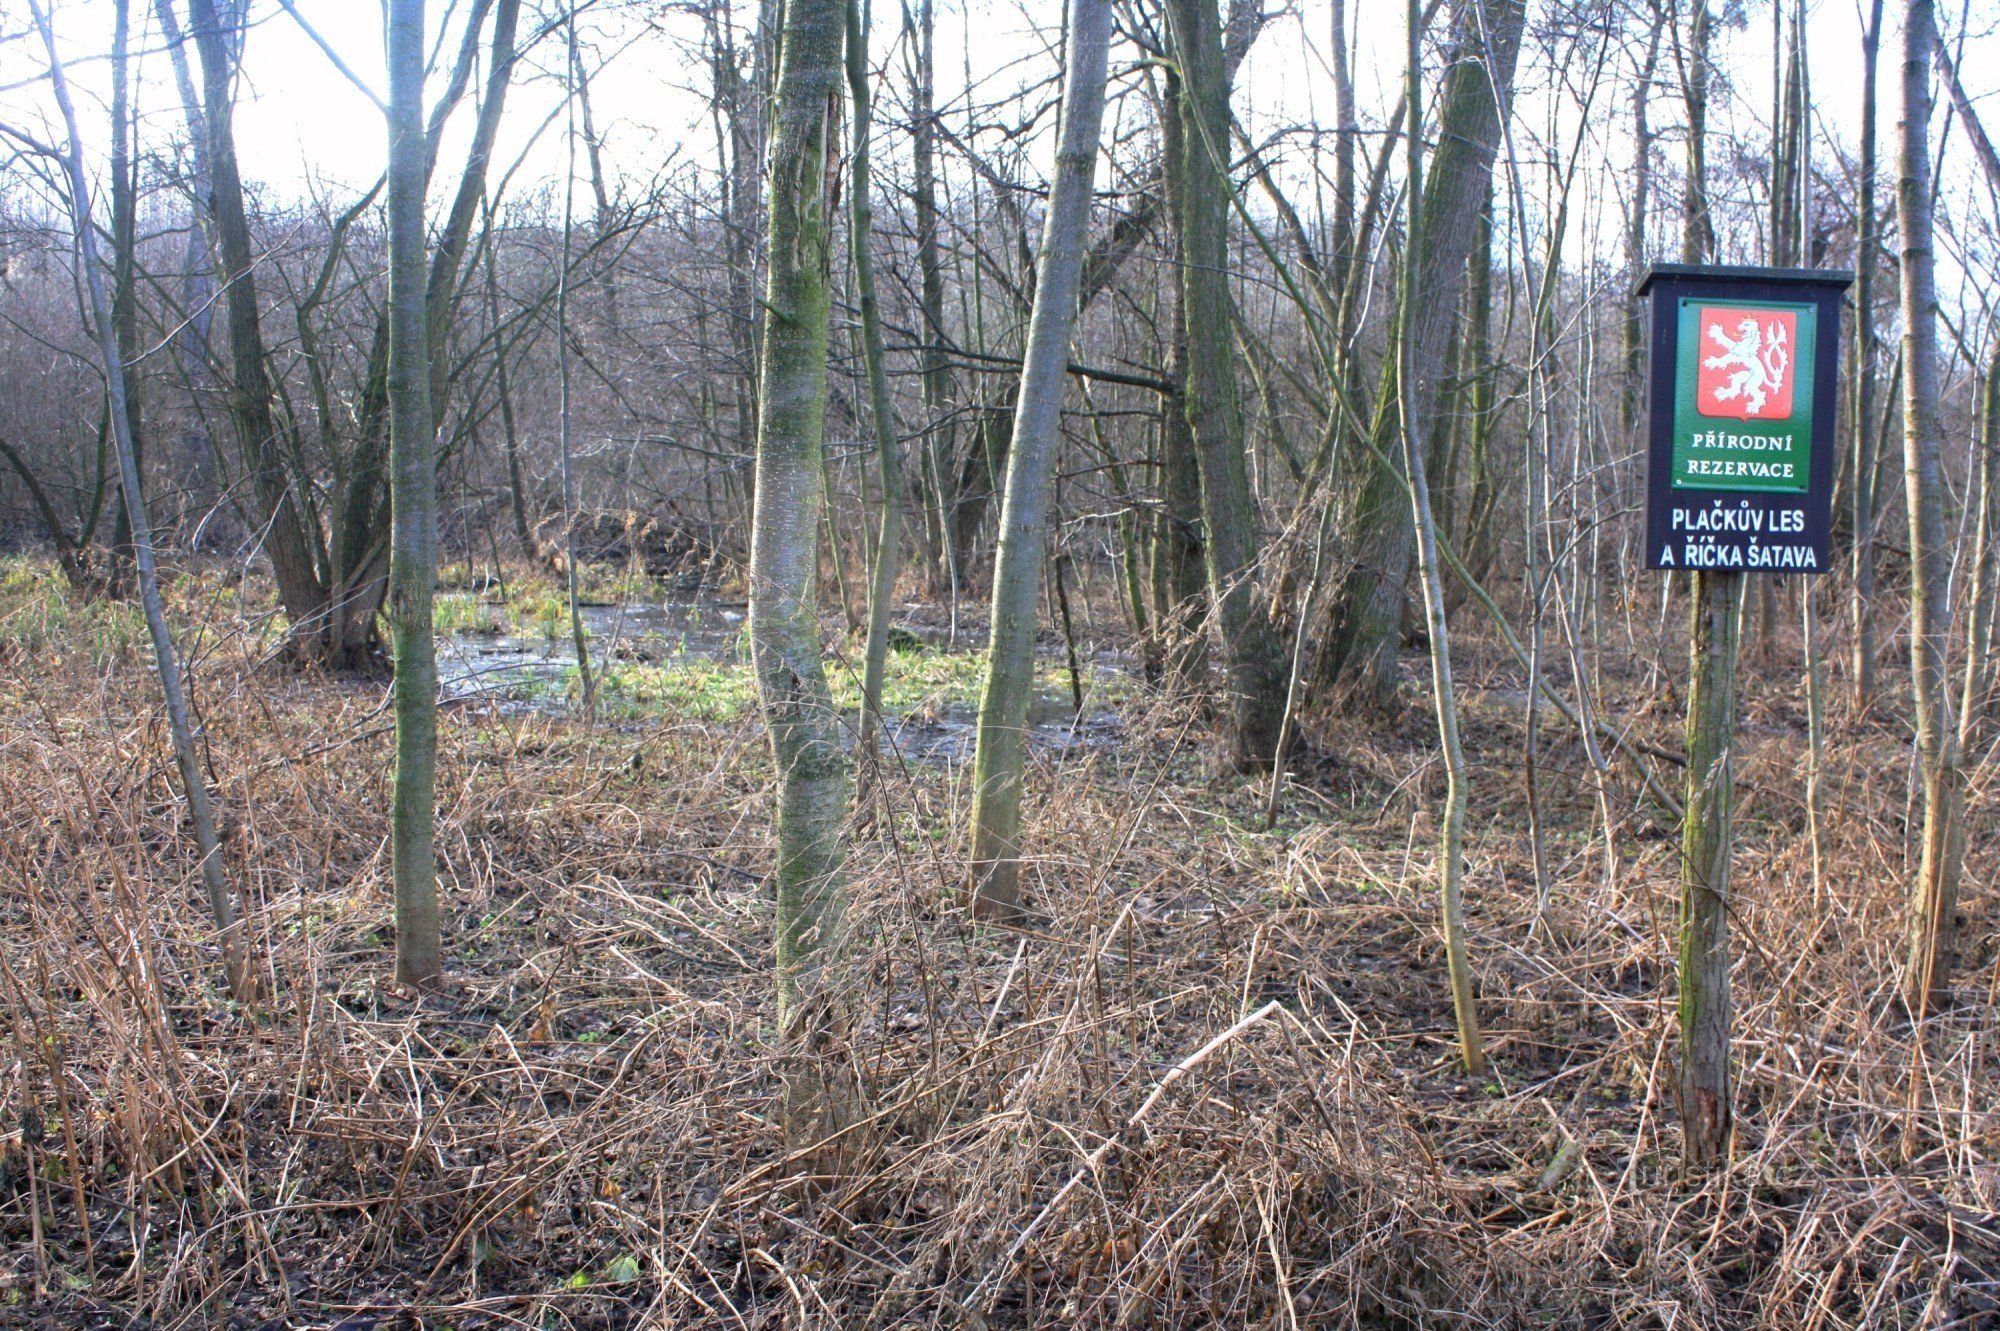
1216,1090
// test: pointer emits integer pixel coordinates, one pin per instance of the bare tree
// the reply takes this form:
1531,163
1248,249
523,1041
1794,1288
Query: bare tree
1934,897
861,234
172,684
784,613
413,561
1010,662
1365,629
1252,655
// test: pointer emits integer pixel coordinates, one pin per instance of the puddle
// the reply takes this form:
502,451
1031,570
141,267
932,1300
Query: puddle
946,736
530,670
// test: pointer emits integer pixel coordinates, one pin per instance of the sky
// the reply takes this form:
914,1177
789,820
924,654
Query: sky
305,129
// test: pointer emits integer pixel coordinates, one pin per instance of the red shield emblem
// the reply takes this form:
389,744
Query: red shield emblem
1743,365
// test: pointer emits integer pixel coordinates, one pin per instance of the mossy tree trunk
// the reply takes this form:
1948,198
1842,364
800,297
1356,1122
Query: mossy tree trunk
1010,668
1252,654
784,617
1179,559
1364,629
1707,825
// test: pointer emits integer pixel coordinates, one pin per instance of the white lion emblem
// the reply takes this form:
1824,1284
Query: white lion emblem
1760,365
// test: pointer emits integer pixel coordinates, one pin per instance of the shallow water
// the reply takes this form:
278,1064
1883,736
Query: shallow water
529,672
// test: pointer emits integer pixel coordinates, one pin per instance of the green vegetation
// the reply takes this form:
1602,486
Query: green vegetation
702,688
40,616
466,613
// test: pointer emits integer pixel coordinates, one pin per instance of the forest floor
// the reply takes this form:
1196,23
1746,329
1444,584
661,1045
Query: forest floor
579,1132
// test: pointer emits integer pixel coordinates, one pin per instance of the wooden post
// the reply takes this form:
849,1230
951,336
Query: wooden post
1705,846
1720,515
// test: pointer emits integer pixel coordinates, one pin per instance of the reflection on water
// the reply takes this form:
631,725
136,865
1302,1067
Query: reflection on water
531,669
526,672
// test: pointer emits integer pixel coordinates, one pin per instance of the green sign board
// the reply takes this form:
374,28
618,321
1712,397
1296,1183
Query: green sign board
1743,395
1740,411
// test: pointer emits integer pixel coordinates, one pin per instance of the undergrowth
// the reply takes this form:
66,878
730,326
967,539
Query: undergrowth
1214,1087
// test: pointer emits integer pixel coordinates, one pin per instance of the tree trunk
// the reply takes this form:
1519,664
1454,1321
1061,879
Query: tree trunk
1985,481
1861,481
1632,391
1476,539
1180,599
889,542
1359,655
1934,900
1409,382
1978,684
124,263
503,388
69,557
165,659
286,541
1863,414
784,618
358,553
565,401
1253,656
413,556
1010,670
1697,227
940,433
1346,140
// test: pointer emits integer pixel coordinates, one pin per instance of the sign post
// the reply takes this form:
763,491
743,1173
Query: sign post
1739,480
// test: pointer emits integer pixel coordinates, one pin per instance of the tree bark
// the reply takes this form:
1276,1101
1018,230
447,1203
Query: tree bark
1934,899
1861,482
1358,662
504,389
1977,687
940,448
1697,227
357,549
124,262
1010,670
1179,552
1252,654
1451,844
1346,142
1632,390
784,619
889,541
413,556
1475,537
301,589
